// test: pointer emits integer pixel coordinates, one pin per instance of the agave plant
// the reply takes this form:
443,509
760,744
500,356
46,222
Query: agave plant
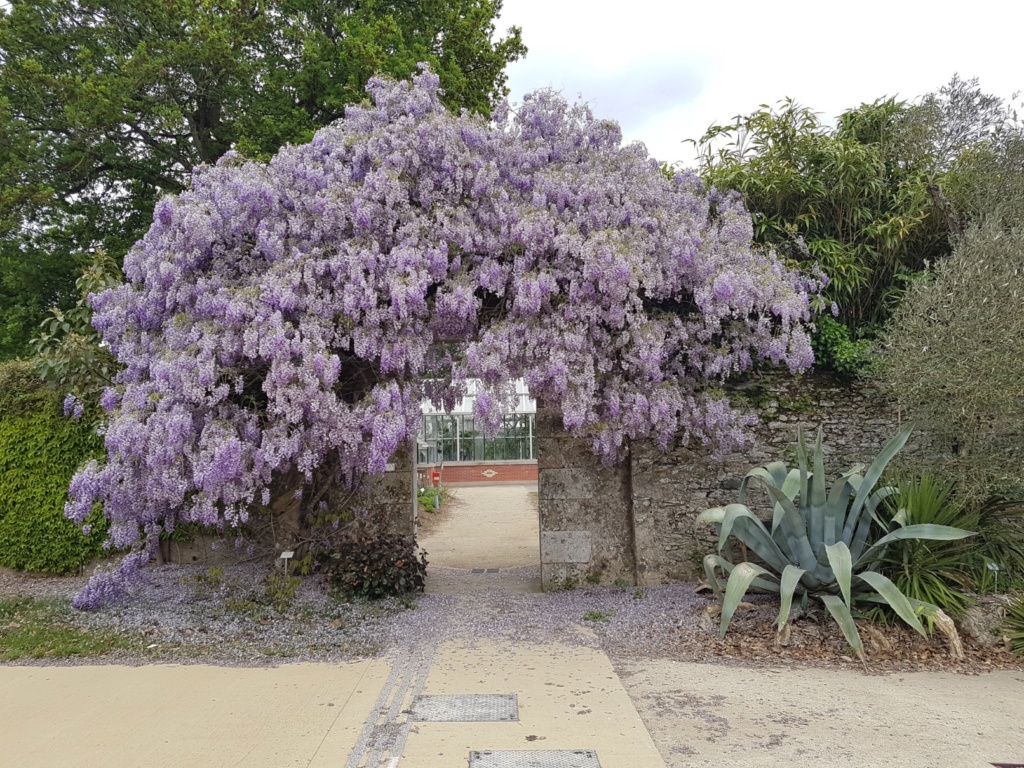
822,543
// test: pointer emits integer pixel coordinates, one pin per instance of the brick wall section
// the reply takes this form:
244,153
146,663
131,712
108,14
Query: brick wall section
585,519
650,504
482,472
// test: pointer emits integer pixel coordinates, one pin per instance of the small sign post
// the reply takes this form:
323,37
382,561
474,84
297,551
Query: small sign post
435,479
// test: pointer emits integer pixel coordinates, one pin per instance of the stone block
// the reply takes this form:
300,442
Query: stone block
609,484
564,547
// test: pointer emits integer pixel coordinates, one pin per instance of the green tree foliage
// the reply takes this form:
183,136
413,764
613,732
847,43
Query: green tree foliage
69,353
40,449
854,198
978,142
953,359
105,107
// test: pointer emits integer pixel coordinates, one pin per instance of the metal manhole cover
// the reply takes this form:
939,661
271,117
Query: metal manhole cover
521,758
470,708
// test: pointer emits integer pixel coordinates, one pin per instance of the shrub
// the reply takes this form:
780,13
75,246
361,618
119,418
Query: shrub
376,565
930,571
1015,624
953,359
820,544
280,588
433,499
1000,562
40,449
836,351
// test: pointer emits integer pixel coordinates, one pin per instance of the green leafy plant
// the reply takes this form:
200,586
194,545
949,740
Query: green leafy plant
40,449
953,358
602,616
280,589
374,565
433,499
1015,624
819,543
1000,544
835,350
930,571
69,355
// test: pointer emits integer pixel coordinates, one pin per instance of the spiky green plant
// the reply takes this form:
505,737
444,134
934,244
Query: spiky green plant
935,572
1015,624
821,543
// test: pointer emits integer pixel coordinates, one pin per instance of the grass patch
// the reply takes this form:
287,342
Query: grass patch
31,628
604,616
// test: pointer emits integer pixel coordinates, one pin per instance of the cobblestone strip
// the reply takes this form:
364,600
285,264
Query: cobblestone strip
386,729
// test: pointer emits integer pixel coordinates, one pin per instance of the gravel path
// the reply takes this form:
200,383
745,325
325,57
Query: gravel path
189,614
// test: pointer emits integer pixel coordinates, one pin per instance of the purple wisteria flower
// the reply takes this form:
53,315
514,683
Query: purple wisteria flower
73,407
287,318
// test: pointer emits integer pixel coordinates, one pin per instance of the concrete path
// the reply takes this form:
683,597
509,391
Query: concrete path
713,715
183,716
357,715
343,716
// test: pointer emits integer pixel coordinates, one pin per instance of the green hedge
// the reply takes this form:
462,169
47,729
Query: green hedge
40,449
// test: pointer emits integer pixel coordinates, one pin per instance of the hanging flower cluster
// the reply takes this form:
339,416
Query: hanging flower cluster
292,315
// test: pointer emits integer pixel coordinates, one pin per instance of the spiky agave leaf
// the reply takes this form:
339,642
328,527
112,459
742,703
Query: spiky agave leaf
841,563
841,613
869,516
735,590
816,503
889,592
926,531
872,476
793,528
787,588
738,520
711,562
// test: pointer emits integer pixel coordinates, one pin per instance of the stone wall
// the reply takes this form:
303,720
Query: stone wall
640,518
585,510
671,489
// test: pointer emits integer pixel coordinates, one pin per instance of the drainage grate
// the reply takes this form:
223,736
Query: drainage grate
480,708
485,570
518,758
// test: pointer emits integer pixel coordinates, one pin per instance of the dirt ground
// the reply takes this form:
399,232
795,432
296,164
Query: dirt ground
490,526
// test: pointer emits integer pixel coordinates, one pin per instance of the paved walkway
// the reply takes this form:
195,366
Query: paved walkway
360,714
319,716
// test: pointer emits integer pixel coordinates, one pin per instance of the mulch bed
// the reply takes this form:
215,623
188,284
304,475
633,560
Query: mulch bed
816,641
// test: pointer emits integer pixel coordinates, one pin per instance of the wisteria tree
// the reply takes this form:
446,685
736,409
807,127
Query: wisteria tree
289,317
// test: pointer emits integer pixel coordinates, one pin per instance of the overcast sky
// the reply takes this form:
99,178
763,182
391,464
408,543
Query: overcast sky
667,70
